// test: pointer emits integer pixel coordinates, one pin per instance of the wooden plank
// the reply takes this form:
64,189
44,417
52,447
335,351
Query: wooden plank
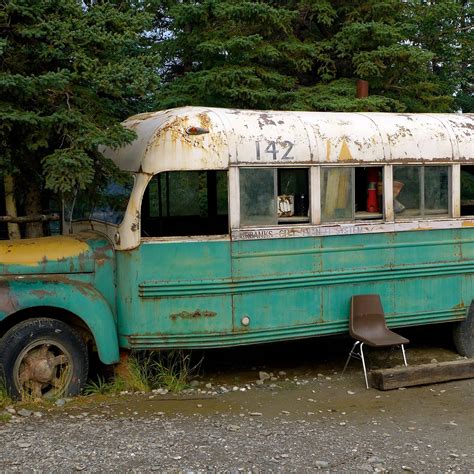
32,218
389,379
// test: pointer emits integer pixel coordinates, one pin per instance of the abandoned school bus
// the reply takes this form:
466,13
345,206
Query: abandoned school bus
234,227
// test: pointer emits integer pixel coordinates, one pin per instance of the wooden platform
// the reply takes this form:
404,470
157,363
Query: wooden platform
389,379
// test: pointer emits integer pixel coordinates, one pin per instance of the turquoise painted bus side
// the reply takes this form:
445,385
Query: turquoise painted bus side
195,293
76,296
45,273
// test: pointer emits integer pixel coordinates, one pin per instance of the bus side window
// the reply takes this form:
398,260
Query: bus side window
180,203
349,193
337,198
467,190
257,196
272,196
421,191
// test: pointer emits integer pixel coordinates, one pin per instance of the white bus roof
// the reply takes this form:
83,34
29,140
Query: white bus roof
230,137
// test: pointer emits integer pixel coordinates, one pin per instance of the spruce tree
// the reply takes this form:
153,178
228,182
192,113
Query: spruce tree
445,29
70,72
230,53
299,54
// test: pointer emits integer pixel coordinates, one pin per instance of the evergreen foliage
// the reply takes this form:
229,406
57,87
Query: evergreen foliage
307,54
70,72
229,53
445,29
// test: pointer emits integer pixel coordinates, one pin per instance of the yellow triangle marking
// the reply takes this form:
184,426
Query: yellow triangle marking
345,154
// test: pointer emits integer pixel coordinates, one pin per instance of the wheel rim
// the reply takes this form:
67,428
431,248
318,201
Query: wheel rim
43,369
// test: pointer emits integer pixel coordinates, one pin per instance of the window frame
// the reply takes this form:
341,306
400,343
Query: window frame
235,188
423,215
314,191
163,207
354,217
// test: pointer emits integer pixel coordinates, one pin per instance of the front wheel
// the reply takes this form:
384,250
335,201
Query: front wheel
43,358
463,334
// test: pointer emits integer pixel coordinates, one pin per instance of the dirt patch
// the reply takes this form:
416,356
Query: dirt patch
280,408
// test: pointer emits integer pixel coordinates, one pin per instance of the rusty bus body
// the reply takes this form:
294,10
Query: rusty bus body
246,227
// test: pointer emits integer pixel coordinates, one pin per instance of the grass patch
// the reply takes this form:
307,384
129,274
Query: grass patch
148,370
173,370
4,397
141,372
98,387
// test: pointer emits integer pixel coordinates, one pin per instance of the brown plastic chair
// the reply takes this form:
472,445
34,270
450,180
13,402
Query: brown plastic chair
367,325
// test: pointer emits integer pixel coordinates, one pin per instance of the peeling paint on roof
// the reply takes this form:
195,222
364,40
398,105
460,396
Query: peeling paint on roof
290,138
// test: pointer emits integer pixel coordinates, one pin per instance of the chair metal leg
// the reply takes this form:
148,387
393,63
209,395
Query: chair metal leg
404,356
350,355
360,356
363,365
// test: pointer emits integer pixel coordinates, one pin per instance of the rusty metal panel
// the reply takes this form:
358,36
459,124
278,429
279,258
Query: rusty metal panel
268,137
346,138
462,127
75,274
414,137
163,142
67,293
175,288
211,294
58,254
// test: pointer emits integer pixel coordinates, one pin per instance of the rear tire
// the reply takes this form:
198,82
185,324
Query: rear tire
43,358
463,334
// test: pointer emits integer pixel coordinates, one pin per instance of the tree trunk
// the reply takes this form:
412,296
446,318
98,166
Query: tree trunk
10,206
33,206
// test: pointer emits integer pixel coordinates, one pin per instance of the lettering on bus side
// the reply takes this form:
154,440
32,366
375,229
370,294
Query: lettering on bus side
304,231
296,232
258,234
278,150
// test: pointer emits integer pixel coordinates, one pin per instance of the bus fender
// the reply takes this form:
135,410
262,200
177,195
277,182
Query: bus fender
463,334
79,298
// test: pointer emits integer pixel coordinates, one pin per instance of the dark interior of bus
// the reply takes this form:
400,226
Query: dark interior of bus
368,201
467,190
182,203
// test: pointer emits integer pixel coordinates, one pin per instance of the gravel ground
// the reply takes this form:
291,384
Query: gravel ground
298,419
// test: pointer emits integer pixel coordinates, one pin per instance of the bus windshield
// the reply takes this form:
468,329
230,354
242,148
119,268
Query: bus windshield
106,203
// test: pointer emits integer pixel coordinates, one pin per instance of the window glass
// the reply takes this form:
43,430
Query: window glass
179,203
222,197
270,196
420,191
153,198
436,190
257,196
467,190
187,193
349,193
337,198
293,194
107,202
368,192
406,191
